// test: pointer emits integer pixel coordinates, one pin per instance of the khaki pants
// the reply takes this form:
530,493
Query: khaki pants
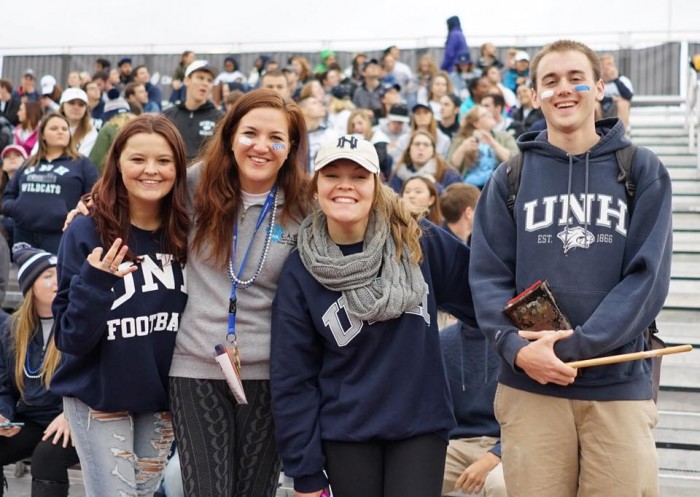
555,447
463,452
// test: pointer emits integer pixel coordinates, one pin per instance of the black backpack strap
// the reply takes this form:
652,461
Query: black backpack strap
514,166
625,161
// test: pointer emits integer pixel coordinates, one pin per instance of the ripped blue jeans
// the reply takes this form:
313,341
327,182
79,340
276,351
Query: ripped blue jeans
122,454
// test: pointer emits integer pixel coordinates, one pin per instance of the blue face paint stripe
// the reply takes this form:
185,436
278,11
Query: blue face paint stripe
582,88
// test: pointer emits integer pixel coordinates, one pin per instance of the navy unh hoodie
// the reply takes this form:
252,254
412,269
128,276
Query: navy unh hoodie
116,335
572,226
337,378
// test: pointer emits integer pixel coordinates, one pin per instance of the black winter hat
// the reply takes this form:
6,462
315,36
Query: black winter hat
31,262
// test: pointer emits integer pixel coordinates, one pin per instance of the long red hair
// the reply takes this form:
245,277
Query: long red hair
110,208
218,195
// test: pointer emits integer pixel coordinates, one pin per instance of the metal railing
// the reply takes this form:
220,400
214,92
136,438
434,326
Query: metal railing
692,114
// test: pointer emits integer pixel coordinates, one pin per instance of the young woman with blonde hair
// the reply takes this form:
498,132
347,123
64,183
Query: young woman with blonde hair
28,359
355,314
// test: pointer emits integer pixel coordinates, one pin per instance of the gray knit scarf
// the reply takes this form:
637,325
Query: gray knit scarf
428,169
368,296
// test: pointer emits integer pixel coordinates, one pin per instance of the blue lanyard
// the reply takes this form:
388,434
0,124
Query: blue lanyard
232,306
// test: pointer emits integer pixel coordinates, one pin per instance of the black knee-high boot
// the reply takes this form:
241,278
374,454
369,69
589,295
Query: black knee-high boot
44,488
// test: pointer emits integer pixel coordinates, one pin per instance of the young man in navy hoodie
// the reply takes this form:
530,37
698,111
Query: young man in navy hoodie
568,432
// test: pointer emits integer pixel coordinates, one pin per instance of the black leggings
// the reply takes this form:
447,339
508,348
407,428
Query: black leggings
225,449
49,462
405,468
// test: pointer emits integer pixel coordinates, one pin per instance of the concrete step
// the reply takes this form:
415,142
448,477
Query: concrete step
651,140
679,160
664,149
686,204
669,131
678,483
677,372
686,241
684,173
689,286
681,317
673,423
675,121
682,301
686,187
686,221
680,401
686,270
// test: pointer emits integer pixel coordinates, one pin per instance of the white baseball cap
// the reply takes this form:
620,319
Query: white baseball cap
48,83
73,94
522,55
349,147
200,65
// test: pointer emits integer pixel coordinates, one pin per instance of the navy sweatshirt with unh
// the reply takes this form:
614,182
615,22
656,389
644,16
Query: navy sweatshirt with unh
116,334
337,378
39,197
609,270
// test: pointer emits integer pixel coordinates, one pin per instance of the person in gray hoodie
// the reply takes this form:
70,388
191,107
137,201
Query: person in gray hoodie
607,257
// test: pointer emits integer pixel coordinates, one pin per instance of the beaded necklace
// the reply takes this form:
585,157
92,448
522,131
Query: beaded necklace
236,278
28,371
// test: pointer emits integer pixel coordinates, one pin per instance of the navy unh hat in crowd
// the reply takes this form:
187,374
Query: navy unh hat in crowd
31,262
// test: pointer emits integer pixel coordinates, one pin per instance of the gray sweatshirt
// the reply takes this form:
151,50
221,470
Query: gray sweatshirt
205,320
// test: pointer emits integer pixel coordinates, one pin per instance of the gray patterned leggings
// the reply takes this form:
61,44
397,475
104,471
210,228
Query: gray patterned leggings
225,449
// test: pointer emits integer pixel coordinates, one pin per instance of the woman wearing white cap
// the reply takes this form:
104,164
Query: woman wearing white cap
359,394
74,105
50,93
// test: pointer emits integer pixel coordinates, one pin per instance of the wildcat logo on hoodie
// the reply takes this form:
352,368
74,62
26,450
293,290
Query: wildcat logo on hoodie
575,237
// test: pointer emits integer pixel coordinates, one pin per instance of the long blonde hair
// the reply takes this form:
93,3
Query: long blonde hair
400,214
23,326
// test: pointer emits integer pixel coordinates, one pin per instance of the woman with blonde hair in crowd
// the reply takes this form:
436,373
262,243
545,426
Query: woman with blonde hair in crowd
421,158
340,107
360,124
476,149
74,105
440,85
28,359
421,191
342,336
425,70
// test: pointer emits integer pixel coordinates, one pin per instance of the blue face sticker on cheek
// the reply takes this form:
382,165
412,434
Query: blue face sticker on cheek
244,140
582,88
279,146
